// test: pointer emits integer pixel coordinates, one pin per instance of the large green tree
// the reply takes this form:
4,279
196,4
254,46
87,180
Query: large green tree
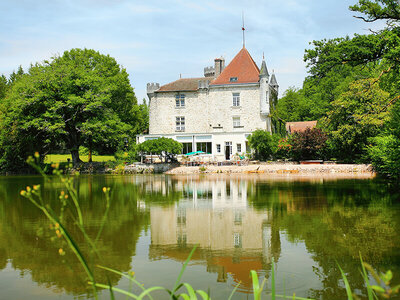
3,86
359,109
79,98
356,116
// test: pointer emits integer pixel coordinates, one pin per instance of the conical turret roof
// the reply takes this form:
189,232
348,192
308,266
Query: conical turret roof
242,69
273,80
264,69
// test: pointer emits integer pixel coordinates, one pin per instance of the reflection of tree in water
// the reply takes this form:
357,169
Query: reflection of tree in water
336,223
27,240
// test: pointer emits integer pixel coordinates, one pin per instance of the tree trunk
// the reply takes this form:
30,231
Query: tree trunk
75,157
90,150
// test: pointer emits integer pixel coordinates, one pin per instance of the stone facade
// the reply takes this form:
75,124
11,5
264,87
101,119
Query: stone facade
217,112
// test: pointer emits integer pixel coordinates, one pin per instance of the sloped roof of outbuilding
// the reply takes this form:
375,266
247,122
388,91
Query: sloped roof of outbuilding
242,67
183,84
293,127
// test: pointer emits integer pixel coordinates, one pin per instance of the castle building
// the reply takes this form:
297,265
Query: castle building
215,113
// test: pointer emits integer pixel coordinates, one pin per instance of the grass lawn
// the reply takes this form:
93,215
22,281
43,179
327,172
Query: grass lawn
58,158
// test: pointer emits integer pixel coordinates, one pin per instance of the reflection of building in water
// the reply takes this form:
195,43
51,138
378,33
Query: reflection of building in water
232,238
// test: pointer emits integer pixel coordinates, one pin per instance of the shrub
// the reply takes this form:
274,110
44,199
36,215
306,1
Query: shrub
309,144
262,143
129,156
165,148
284,148
385,155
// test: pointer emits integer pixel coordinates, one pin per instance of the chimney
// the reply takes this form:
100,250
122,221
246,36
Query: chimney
219,66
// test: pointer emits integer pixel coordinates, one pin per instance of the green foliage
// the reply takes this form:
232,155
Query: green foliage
262,143
143,117
329,78
85,151
377,10
79,98
309,144
356,116
3,86
284,148
293,106
165,148
384,154
384,289
129,155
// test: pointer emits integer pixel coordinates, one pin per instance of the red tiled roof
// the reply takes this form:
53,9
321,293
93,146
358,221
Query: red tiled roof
183,84
292,127
243,67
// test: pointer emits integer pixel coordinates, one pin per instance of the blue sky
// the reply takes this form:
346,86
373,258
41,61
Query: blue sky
156,41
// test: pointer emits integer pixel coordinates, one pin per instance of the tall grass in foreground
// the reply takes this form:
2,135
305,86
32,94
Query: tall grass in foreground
70,201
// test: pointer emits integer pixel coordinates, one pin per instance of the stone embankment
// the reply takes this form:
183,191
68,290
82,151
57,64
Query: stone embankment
279,169
139,168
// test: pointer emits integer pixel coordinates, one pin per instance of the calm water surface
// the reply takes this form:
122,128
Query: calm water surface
240,224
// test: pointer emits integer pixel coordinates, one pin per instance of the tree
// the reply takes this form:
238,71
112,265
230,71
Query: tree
3,86
309,144
360,112
144,117
165,148
356,116
79,98
384,151
377,10
292,106
262,143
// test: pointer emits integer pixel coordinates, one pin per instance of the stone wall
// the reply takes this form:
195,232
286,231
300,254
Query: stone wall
208,111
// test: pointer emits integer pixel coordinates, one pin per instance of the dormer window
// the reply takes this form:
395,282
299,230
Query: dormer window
233,79
179,100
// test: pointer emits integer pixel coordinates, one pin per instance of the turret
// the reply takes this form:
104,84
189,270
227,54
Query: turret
264,89
219,66
274,83
209,71
151,88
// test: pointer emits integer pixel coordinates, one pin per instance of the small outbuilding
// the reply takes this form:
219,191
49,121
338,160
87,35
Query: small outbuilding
292,127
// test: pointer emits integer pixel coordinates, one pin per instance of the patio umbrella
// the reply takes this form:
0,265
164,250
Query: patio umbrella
194,153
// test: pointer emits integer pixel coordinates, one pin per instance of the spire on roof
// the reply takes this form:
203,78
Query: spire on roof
243,29
264,69
273,81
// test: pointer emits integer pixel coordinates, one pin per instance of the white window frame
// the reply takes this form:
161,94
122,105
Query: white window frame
235,99
180,123
239,148
218,148
179,100
237,240
236,122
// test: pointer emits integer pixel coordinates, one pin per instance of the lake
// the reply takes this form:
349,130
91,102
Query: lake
304,227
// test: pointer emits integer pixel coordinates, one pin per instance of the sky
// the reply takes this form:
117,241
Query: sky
161,40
